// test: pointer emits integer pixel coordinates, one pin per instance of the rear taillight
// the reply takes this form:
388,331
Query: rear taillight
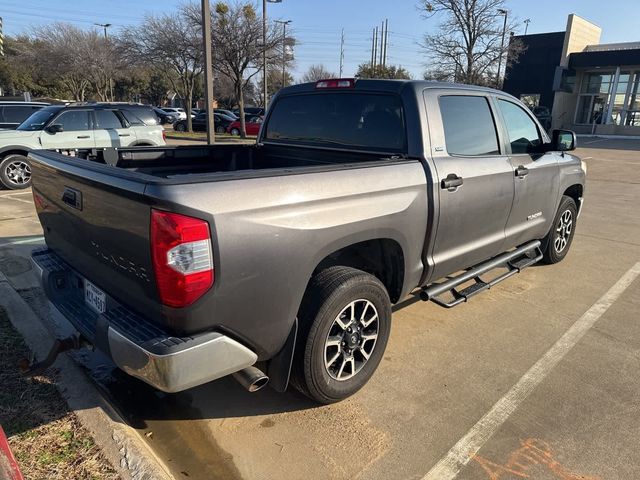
164,135
182,258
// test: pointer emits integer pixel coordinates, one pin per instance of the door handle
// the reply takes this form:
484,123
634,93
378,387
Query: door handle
522,171
83,136
124,134
452,181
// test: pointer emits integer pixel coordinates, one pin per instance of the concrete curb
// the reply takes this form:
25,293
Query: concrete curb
121,444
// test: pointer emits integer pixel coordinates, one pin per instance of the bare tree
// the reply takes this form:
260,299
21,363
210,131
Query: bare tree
171,44
317,72
468,45
60,49
237,45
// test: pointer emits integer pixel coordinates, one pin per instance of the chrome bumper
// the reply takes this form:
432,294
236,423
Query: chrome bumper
169,363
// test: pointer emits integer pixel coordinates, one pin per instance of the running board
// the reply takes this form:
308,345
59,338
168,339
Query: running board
515,261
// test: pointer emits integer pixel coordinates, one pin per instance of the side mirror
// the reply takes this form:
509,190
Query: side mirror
56,128
563,140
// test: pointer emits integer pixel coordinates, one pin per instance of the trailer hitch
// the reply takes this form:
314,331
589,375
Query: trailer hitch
29,369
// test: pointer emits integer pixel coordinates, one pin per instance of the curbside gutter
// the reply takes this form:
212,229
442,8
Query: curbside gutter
120,443
9,469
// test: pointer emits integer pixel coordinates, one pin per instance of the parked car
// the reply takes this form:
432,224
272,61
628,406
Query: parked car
166,117
543,115
252,125
71,127
228,113
199,123
181,114
249,111
13,114
197,262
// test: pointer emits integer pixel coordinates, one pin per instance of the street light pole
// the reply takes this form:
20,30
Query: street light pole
284,49
501,11
208,71
526,25
265,95
106,40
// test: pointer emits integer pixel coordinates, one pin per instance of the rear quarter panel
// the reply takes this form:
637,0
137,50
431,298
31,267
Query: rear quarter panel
269,234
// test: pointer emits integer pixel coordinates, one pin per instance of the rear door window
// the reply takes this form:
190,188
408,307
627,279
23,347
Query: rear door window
107,119
347,120
469,128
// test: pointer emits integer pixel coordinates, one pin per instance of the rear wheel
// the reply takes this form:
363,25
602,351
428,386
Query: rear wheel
558,241
345,322
235,131
180,127
220,129
15,172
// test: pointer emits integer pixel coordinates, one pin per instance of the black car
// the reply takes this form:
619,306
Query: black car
163,117
199,123
254,111
13,114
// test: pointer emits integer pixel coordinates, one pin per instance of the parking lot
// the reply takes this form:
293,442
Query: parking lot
537,378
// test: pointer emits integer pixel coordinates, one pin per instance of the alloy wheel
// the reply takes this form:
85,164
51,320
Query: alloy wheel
563,231
351,340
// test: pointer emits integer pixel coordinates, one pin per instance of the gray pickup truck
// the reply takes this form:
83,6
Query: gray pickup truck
280,261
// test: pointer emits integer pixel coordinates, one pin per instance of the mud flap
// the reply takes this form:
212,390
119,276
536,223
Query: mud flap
280,365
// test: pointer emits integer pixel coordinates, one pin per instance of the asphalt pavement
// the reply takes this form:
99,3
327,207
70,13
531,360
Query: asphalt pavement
537,378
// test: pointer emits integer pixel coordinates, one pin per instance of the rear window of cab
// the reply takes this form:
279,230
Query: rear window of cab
350,120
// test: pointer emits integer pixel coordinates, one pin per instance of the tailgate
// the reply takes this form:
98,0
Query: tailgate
97,219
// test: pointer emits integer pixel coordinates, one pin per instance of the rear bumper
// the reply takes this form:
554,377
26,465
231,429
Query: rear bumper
137,346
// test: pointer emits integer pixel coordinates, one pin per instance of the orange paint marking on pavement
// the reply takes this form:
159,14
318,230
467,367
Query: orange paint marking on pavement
532,453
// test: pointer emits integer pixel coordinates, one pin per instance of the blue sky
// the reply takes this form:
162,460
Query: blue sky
317,24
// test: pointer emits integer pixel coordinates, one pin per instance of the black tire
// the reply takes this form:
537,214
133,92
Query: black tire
328,296
180,127
558,241
235,131
220,129
15,172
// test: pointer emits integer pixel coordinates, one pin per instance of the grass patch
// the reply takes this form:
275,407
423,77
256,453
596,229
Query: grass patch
45,436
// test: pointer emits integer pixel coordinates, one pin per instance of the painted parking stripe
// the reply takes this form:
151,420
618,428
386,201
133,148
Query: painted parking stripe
23,242
462,452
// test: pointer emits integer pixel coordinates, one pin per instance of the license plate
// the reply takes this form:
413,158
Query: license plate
94,297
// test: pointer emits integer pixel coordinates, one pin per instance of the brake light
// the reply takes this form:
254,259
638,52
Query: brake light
336,83
164,135
182,258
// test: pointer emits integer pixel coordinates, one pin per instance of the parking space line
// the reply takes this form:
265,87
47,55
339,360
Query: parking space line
10,197
22,242
462,452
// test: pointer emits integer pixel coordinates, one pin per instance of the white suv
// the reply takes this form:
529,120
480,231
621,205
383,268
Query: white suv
179,112
72,127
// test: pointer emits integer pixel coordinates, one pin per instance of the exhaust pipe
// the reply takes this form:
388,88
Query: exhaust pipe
251,378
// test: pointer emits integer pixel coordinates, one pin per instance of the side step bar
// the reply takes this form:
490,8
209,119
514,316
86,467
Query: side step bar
515,261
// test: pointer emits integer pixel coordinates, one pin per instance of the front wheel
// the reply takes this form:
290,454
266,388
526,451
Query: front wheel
180,127
220,129
15,172
345,321
558,241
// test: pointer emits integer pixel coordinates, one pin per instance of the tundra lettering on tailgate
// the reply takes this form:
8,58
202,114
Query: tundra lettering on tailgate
121,262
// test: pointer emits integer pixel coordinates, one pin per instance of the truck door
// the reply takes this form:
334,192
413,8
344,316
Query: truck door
475,179
112,130
535,176
76,131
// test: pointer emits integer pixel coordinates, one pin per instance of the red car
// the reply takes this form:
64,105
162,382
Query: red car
251,123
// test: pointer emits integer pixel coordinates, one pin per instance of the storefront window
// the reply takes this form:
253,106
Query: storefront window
632,116
599,103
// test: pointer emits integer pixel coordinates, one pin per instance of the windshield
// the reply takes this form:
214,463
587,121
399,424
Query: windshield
348,120
37,120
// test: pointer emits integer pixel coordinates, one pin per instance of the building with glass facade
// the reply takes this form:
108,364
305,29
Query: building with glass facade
589,87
